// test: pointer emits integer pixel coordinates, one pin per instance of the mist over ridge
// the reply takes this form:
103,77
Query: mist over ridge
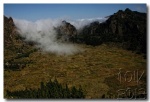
43,33
80,23
127,28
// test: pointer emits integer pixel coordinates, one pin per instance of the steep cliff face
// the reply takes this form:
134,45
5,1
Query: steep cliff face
127,21
9,30
126,27
130,27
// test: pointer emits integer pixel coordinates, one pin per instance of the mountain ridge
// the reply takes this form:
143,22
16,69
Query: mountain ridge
126,27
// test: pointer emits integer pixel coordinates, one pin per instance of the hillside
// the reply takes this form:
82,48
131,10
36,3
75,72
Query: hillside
15,48
93,70
110,63
128,28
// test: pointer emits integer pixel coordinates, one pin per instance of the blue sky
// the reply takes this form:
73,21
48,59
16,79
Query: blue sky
35,12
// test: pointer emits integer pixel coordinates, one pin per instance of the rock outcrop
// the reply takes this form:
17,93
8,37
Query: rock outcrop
9,30
66,31
125,27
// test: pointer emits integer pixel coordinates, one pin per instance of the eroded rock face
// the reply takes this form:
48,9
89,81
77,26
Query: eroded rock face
66,31
14,47
127,21
127,27
9,30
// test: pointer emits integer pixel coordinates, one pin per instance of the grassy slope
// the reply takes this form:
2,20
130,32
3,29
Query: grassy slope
93,69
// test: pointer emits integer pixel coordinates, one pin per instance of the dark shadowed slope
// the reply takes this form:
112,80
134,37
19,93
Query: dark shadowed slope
125,27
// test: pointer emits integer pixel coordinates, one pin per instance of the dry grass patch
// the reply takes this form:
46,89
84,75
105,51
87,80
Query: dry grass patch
93,69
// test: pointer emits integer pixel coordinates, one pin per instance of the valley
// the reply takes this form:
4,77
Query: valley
106,59
93,69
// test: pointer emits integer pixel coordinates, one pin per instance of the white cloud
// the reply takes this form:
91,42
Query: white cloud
43,33
80,23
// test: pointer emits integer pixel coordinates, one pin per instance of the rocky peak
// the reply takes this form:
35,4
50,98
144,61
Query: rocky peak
122,21
127,10
65,31
67,28
9,21
9,29
127,27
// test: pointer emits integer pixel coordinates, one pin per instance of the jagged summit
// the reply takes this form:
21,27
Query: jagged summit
9,30
126,27
66,31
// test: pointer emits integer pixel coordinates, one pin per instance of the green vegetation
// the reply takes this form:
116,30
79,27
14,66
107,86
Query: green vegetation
93,69
48,90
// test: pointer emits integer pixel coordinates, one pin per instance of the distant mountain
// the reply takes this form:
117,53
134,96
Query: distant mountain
125,27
